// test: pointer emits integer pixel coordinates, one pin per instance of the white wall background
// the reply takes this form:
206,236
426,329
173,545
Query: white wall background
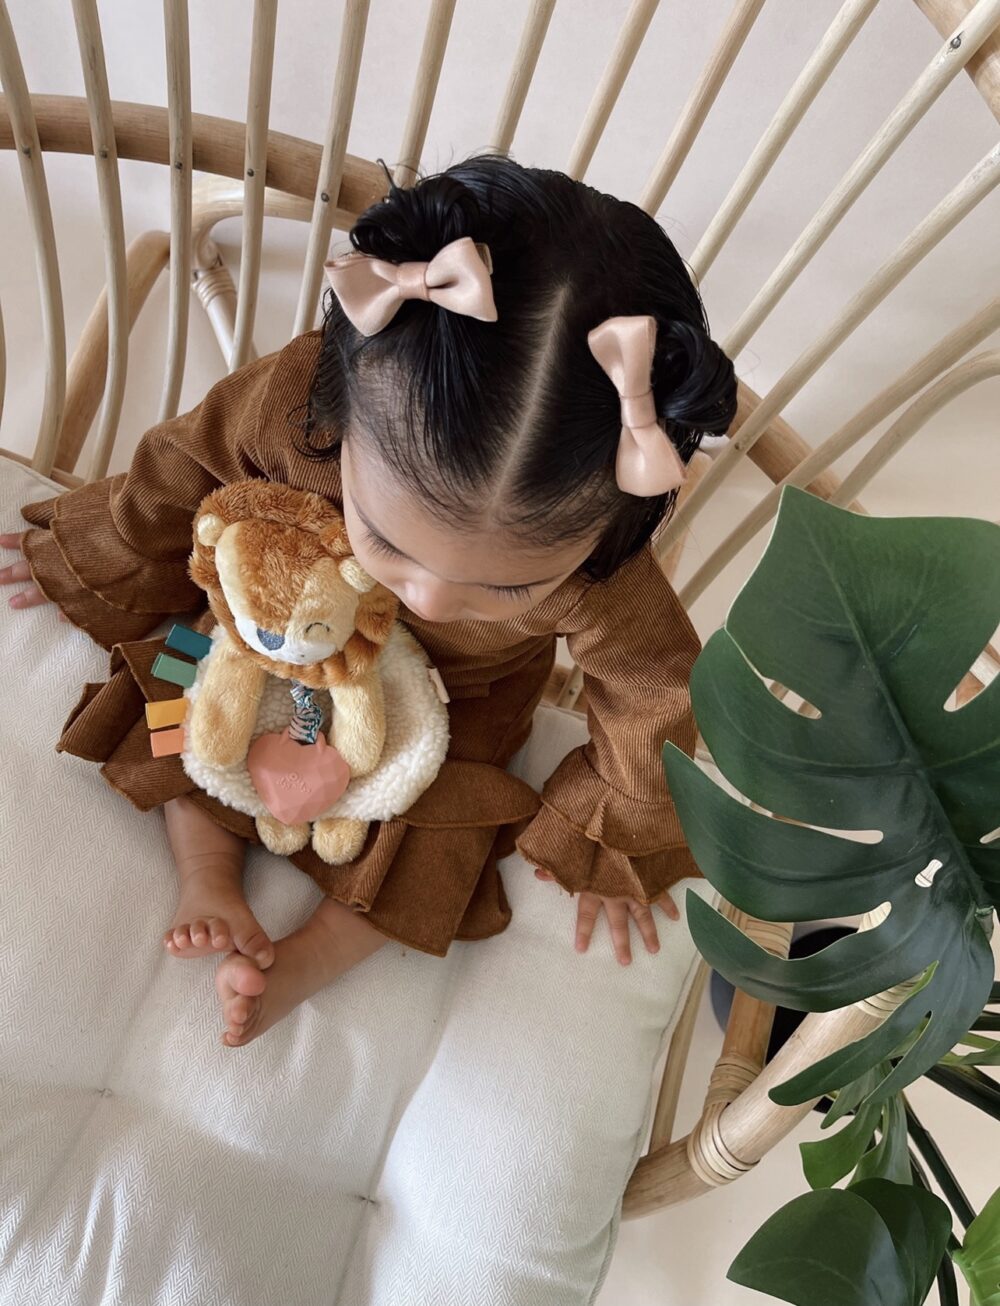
952,467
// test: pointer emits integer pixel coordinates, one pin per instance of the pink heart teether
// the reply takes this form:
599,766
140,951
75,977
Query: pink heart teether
296,782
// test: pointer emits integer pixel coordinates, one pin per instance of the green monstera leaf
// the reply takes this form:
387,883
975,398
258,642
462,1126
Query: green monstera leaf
979,1255
873,621
874,1244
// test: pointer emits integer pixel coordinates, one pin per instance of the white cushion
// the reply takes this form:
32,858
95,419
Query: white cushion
424,1130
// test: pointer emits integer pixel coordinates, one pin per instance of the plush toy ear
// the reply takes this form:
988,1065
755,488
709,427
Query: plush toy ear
356,576
334,539
209,529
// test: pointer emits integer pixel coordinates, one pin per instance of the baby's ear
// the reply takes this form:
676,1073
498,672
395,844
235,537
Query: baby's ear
356,576
209,529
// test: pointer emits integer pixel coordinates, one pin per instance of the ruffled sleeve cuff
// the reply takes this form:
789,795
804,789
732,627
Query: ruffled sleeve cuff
64,564
594,839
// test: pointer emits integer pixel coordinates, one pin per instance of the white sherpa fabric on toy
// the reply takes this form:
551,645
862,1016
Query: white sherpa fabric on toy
416,737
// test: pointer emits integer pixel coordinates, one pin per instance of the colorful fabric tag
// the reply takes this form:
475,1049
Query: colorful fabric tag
188,641
167,743
174,670
167,712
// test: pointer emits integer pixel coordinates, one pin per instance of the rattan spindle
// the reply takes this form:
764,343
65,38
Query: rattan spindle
630,38
36,191
710,82
947,63
105,151
265,18
810,81
525,61
331,168
178,56
424,90
984,66
943,355
959,202
665,1114
983,367
145,259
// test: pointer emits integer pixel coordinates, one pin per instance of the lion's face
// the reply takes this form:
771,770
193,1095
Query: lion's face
290,601
277,567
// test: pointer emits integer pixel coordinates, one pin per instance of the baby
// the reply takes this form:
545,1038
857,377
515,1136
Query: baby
512,374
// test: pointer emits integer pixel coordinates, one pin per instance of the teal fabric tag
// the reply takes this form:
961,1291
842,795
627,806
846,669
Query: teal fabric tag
174,670
188,641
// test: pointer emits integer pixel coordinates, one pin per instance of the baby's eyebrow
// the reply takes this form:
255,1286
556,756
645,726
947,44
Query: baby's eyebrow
479,584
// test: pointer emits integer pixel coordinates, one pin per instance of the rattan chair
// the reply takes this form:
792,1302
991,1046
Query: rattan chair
221,168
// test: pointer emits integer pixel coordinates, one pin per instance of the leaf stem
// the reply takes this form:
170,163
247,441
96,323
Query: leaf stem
939,1168
945,1276
968,1084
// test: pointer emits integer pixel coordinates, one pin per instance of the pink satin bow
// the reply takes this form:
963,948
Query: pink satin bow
647,462
371,290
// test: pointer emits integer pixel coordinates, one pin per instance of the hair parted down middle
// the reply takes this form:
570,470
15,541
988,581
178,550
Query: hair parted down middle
513,422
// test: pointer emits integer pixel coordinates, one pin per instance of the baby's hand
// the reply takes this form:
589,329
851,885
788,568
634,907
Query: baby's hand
31,596
618,911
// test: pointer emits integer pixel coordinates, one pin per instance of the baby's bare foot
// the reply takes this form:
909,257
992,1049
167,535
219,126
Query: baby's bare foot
213,916
248,1007
331,941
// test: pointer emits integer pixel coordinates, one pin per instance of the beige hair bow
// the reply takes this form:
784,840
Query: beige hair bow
647,463
371,290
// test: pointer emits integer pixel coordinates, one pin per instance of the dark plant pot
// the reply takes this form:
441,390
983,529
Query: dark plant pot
806,940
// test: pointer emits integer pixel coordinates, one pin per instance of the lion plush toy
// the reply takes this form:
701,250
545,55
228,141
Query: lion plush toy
315,711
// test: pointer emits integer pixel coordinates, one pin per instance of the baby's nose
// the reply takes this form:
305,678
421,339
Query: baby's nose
432,603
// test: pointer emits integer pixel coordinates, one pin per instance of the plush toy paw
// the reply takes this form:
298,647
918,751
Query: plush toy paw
213,737
338,840
280,838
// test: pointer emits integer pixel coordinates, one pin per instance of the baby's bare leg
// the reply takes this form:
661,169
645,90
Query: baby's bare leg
332,940
212,914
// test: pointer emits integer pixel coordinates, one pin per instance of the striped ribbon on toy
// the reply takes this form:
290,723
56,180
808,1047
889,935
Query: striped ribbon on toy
308,716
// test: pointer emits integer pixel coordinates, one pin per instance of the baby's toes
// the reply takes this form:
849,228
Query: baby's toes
238,975
252,942
236,1012
178,940
208,932
218,933
239,984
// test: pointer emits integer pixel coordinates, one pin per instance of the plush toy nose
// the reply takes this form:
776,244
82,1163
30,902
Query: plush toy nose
269,640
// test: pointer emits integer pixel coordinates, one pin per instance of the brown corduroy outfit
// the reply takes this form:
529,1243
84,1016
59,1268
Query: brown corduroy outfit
114,556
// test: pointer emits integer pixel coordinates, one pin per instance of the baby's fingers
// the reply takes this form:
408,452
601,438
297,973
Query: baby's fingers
16,571
10,542
586,917
668,905
643,917
617,912
31,596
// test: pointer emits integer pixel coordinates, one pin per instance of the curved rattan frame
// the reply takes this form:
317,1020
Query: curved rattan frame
323,184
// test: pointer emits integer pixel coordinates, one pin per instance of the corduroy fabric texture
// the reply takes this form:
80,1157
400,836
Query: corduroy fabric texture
114,556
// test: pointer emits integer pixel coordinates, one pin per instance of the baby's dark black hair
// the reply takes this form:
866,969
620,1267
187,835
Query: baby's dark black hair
514,421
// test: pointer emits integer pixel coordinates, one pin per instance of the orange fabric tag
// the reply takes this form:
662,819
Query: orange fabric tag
168,712
167,743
